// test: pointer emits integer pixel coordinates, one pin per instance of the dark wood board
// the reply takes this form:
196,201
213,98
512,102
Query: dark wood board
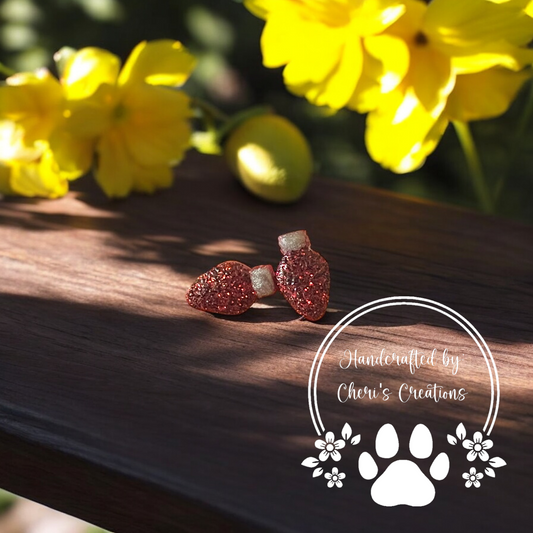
122,405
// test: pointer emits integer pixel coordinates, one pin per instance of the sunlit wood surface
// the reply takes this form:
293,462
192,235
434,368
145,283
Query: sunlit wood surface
123,406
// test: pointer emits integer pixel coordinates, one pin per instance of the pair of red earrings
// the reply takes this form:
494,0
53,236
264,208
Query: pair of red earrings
302,276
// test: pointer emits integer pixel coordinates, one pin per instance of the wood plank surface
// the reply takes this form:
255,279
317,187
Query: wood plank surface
125,407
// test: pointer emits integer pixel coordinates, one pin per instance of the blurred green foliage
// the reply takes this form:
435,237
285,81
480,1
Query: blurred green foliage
6,500
225,37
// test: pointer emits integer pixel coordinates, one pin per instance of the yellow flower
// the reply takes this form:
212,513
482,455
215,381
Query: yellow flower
138,126
466,62
33,100
50,130
31,106
28,170
40,177
413,65
331,49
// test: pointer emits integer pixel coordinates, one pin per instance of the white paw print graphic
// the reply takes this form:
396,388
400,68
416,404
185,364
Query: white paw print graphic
403,482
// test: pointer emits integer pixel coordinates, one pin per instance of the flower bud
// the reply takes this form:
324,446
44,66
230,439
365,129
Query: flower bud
271,158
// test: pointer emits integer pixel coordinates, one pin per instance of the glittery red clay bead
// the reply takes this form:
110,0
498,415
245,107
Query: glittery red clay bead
225,289
303,278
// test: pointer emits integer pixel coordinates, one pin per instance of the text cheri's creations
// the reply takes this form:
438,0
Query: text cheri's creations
414,360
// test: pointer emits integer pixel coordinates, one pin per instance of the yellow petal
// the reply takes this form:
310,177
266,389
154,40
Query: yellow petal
494,54
89,117
260,8
338,87
397,132
113,173
162,62
315,54
152,178
484,95
34,102
418,156
375,16
411,22
368,90
40,178
385,60
12,145
393,56
282,37
432,77
320,44
87,70
73,155
118,173
459,23
334,13
155,126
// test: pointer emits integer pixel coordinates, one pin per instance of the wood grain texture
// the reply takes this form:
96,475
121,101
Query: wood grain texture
123,406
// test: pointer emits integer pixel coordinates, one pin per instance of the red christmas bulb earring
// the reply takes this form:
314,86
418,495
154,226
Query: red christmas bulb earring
231,288
303,276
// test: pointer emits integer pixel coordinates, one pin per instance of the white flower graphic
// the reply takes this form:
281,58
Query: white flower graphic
330,447
335,478
472,478
477,447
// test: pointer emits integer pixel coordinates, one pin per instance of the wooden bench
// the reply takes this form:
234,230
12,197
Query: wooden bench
123,406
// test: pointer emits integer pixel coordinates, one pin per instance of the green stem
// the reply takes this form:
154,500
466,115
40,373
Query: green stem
518,144
6,71
209,110
474,165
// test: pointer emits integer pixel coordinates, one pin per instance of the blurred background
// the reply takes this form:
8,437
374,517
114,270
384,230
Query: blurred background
18,515
225,37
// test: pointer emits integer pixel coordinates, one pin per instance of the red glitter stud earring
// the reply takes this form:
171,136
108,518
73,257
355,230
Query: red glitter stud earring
303,276
231,288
